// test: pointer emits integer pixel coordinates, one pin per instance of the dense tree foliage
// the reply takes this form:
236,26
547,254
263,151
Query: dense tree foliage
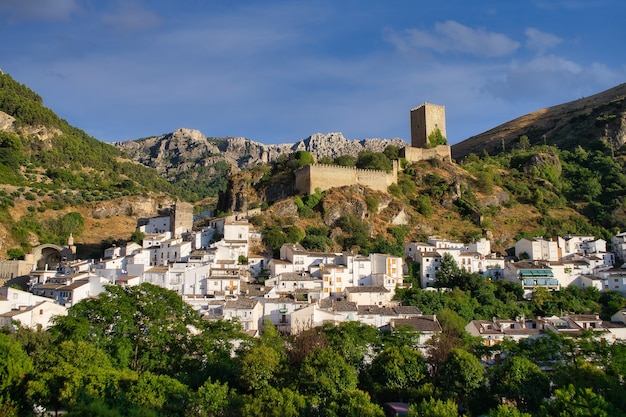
141,351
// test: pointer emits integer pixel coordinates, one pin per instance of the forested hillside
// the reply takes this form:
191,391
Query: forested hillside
48,166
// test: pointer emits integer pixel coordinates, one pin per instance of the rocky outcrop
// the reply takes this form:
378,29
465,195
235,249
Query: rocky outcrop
6,122
185,148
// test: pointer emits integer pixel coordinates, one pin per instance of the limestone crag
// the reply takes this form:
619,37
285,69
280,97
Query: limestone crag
185,148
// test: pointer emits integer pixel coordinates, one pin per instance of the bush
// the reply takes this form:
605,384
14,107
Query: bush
16,253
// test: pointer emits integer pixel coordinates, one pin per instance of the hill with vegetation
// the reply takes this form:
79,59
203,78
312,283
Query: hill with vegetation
548,179
49,169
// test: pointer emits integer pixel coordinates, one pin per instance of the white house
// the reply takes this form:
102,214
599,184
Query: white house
154,225
290,282
614,279
377,316
247,311
279,311
40,314
368,295
17,299
531,275
76,291
537,249
224,279
429,265
618,244
412,249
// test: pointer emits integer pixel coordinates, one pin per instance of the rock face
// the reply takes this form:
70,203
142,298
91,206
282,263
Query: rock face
185,148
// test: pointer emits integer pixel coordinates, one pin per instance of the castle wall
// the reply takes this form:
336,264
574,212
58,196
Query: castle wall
412,154
11,269
310,177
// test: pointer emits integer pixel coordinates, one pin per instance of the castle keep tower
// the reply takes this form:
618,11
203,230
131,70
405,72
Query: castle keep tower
424,120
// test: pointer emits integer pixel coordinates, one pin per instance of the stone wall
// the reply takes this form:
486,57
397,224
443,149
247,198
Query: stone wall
311,177
412,154
424,120
12,269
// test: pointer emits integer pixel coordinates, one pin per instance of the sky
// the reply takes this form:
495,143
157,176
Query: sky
278,71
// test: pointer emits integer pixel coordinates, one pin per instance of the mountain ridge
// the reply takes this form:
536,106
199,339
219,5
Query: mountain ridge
550,125
242,152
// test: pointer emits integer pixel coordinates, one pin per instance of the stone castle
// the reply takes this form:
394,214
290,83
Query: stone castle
425,120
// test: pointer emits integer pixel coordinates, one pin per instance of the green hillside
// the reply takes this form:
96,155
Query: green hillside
50,165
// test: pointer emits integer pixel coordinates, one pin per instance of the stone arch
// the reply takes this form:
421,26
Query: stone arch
48,256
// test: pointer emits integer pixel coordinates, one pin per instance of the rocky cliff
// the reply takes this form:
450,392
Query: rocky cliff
185,148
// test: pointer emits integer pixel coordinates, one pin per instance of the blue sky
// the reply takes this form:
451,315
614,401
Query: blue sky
278,71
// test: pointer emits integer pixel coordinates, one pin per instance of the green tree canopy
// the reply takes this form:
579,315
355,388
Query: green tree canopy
373,160
15,366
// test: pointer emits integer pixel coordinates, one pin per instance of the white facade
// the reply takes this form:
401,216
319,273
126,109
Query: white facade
391,266
248,312
155,225
369,295
69,295
412,249
41,314
537,249
17,298
482,246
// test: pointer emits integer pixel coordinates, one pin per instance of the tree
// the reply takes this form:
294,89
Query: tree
325,374
345,161
434,408
15,366
146,328
352,340
373,160
448,273
436,138
507,411
211,400
15,253
300,159
137,236
352,403
572,401
161,393
273,402
460,375
395,371
522,382
70,371
257,367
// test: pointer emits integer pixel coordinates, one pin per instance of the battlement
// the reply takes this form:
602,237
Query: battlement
323,176
441,152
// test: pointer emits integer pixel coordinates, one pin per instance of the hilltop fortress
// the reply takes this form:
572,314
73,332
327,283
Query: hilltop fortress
427,120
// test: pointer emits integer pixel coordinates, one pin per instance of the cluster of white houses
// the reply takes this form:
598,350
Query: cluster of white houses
303,288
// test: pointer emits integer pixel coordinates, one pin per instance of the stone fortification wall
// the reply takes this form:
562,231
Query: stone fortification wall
412,154
311,177
12,269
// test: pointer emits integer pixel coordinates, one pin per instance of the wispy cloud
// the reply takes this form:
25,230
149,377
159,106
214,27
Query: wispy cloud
130,16
550,77
451,36
541,41
39,10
